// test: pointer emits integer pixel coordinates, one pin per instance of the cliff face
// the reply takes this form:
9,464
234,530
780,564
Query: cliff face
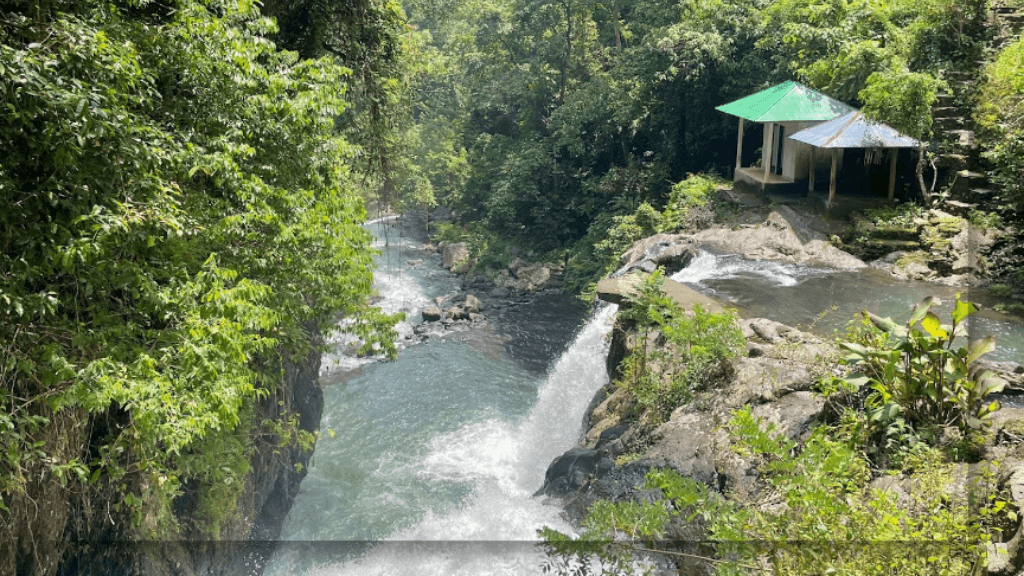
247,540
56,529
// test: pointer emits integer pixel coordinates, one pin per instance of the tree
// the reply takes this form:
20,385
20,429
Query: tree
178,211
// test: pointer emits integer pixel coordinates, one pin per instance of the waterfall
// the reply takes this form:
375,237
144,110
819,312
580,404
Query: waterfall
500,463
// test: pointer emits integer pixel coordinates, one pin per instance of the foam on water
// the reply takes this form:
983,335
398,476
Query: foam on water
708,266
494,530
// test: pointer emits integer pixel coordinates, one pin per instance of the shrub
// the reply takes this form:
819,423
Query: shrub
696,350
686,200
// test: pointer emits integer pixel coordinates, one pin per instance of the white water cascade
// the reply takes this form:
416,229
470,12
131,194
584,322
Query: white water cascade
456,444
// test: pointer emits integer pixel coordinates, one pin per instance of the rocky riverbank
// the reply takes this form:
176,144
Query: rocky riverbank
777,379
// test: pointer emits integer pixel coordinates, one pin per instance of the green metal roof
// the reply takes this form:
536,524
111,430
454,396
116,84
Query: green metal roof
787,102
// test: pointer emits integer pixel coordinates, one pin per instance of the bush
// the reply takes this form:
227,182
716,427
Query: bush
695,351
916,375
683,210
1000,115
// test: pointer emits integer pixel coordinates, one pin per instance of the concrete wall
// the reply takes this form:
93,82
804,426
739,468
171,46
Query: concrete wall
795,155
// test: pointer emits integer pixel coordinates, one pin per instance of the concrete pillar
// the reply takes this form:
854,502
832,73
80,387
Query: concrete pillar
893,153
832,179
739,148
766,150
810,175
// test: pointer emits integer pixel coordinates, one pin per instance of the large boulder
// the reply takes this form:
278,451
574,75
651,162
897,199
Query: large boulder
454,254
569,471
785,237
525,276
617,290
670,251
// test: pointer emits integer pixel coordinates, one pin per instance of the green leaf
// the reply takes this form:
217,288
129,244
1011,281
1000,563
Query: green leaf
921,310
978,348
885,324
962,310
933,325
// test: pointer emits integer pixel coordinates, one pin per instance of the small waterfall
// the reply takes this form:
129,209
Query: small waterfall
707,266
500,463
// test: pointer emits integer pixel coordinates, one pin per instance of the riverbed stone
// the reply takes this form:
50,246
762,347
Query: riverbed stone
431,314
456,313
473,305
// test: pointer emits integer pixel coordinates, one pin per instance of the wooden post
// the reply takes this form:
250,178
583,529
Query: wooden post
739,149
832,180
766,151
892,173
810,177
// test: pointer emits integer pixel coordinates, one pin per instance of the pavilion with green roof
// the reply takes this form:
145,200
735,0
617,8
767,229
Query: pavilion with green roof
783,110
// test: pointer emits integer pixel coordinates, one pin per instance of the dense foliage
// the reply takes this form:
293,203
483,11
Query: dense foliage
1001,116
178,219
545,120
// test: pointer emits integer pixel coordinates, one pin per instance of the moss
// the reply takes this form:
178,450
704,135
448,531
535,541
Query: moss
916,257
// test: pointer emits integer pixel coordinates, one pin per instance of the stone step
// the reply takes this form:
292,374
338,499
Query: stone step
958,208
981,192
955,162
948,124
960,75
946,112
963,138
945,99
966,180
896,233
880,246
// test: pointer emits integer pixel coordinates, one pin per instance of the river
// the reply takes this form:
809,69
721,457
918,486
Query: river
428,464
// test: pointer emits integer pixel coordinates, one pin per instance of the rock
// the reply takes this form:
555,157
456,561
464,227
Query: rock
764,329
675,257
431,314
616,290
456,313
569,471
784,236
536,277
500,292
473,305
454,254
792,414
689,441
670,250
525,277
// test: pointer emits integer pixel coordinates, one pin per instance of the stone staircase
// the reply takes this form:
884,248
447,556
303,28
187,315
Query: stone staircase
1007,21
963,183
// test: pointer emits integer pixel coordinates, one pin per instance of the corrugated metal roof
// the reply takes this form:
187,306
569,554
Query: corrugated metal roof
786,102
853,130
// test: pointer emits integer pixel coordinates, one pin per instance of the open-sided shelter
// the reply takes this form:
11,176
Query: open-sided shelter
853,130
783,110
